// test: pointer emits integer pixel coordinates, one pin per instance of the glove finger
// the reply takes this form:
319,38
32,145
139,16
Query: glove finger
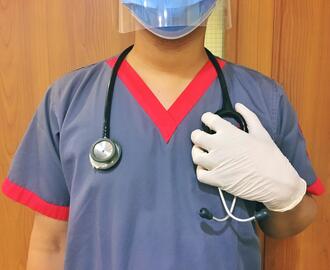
215,122
250,117
201,173
200,157
254,125
203,176
202,139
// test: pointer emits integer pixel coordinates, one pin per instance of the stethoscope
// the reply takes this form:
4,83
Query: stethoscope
105,153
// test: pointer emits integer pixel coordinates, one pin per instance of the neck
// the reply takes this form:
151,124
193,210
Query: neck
169,55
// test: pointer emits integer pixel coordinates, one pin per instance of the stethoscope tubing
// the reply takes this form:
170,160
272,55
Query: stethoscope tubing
227,110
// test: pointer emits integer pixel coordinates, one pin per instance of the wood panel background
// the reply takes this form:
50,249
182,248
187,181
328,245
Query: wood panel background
39,41
287,39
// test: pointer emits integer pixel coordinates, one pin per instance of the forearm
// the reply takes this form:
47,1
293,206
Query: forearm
285,224
39,259
47,244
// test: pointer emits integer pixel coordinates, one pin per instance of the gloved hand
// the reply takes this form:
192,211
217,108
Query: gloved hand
247,165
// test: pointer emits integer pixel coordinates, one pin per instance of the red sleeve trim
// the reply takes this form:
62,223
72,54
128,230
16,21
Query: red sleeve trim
33,201
317,188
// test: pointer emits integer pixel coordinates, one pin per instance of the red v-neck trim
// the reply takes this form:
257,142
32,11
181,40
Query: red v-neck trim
166,120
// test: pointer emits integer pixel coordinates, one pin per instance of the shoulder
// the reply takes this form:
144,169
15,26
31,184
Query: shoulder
76,80
252,80
257,91
72,90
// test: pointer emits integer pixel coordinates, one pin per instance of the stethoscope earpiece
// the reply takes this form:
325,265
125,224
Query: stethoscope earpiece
205,213
261,215
105,153
228,111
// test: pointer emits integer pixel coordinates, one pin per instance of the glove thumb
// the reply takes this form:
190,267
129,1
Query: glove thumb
254,125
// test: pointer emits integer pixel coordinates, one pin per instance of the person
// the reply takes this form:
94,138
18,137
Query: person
143,213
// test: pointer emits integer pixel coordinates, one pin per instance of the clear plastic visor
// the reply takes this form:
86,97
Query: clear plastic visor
152,14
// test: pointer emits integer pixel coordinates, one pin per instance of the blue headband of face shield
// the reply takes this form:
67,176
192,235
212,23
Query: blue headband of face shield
170,19
162,3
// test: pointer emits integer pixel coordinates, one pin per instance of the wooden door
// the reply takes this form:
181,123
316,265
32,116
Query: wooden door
289,40
40,40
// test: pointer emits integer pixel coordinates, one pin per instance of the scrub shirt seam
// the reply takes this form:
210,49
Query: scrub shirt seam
58,160
48,144
278,136
275,113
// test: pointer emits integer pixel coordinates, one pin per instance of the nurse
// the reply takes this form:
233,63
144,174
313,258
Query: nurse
143,212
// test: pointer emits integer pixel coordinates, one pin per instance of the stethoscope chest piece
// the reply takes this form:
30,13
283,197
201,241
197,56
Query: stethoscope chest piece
104,154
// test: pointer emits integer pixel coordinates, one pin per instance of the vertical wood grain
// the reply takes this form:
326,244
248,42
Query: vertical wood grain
250,40
286,39
289,40
301,63
41,40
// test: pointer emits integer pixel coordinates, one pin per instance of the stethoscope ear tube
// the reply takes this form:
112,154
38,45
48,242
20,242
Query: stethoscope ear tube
259,216
108,101
106,153
227,111
229,114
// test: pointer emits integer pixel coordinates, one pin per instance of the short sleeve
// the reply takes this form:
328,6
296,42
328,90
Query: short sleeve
291,142
35,178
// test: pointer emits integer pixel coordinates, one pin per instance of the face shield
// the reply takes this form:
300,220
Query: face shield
169,19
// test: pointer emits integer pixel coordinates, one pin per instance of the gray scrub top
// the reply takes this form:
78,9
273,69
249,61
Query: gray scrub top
143,214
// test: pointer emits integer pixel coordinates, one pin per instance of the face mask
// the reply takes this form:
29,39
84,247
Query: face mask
170,19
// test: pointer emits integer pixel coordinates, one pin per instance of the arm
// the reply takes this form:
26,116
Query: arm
252,167
289,223
47,244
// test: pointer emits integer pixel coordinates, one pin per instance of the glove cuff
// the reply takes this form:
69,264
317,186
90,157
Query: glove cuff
295,199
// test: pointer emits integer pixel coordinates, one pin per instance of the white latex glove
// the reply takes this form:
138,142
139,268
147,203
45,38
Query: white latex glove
247,165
